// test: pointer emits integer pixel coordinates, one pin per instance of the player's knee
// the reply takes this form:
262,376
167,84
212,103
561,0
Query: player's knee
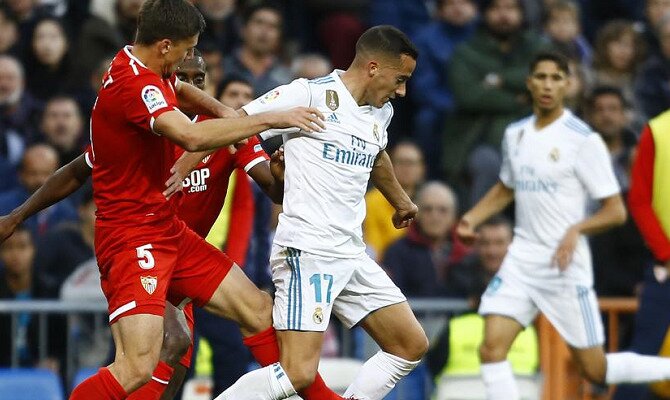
175,345
260,313
416,348
140,370
301,376
489,351
593,373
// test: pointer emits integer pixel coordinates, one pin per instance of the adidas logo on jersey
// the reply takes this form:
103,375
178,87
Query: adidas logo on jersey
333,118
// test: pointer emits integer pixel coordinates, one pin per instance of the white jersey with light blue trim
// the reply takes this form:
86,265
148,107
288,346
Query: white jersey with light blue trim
553,171
326,172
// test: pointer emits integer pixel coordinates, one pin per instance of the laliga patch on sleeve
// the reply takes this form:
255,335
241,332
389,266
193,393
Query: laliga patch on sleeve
257,148
270,96
153,98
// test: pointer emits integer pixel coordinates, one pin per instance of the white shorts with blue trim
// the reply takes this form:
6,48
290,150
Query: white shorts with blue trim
571,308
309,287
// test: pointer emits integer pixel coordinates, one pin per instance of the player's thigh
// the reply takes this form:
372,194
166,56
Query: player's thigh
499,334
397,331
300,354
369,289
573,310
306,287
238,299
591,362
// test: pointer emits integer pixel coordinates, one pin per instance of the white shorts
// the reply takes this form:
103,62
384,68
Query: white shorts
570,307
309,287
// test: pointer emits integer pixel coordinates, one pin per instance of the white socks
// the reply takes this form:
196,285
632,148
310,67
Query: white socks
499,381
269,383
378,376
635,368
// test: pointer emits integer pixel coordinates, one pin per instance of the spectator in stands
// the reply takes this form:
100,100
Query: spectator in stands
563,27
19,110
18,281
455,350
378,229
420,262
652,86
12,143
578,87
214,61
310,66
47,63
649,203
619,50
9,32
222,27
455,21
38,163
62,127
65,247
654,10
407,15
256,60
487,76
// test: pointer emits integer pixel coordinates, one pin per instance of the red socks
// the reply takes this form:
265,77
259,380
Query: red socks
265,349
153,389
101,386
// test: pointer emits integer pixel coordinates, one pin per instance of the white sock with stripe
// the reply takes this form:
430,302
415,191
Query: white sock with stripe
379,375
635,368
499,381
269,383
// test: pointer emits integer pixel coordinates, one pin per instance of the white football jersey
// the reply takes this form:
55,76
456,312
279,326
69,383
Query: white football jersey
326,172
554,172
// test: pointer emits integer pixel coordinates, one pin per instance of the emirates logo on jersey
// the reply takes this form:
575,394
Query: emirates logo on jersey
149,283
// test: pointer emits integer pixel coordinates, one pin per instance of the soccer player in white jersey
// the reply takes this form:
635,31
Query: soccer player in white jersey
319,263
552,163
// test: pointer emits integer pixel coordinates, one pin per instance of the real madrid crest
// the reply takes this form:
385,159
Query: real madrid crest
554,154
318,315
149,283
375,131
332,99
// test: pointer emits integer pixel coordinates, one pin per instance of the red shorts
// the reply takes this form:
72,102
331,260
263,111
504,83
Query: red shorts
190,320
143,266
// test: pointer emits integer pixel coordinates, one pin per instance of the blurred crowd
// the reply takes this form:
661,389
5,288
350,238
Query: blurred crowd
444,140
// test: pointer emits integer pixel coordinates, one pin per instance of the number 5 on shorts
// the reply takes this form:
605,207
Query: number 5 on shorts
145,258
316,281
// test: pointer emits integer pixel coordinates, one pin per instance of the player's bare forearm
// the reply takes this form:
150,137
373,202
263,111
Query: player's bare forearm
273,188
194,101
384,179
493,202
58,186
611,213
216,133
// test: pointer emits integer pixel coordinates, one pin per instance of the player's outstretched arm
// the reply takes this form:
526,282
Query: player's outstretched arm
493,202
61,184
194,101
384,179
215,133
270,176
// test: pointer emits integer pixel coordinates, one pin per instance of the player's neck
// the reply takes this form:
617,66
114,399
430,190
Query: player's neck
544,118
355,85
144,54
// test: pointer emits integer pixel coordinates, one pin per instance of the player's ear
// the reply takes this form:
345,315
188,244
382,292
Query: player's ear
164,46
373,68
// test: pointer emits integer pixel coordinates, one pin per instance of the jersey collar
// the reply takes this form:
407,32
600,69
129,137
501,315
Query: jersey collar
127,49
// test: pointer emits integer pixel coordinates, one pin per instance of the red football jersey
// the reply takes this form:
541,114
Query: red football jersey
130,162
205,189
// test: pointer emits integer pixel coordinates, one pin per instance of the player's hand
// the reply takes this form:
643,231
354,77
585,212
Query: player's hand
8,225
566,249
308,119
277,165
466,231
180,170
404,216
234,147
227,112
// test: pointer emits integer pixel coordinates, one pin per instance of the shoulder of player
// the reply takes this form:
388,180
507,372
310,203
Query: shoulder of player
577,127
324,80
518,125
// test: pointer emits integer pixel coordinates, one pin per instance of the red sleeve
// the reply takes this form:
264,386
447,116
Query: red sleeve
147,97
640,198
250,154
241,219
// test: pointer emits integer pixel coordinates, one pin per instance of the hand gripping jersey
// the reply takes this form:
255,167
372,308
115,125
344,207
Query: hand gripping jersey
327,172
553,172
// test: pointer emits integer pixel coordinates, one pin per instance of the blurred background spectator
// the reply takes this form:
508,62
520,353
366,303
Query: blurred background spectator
652,86
63,128
47,62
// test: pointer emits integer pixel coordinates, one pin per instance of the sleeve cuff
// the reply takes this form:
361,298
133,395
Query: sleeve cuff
253,163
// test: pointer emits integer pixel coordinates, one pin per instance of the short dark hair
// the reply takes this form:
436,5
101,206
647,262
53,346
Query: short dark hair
387,40
606,90
559,59
232,78
168,19
497,220
263,5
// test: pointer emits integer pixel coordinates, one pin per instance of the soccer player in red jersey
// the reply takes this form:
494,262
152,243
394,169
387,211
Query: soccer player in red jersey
213,173
146,255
